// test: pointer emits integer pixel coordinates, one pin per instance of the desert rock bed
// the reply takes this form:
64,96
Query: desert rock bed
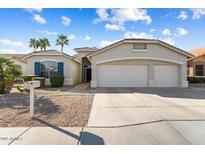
56,110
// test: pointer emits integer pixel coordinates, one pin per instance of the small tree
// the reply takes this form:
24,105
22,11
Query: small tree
62,40
8,74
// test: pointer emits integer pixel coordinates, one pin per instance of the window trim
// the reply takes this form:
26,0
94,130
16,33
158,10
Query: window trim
45,71
139,50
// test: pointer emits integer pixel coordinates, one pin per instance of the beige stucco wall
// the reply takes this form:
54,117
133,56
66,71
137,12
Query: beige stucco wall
82,54
75,72
69,67
155,52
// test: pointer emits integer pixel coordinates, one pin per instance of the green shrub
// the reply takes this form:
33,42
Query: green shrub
196,79
3,88
26,78
8,73
41,79
57,81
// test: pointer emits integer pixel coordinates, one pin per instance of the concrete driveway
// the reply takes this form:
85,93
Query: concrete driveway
148,116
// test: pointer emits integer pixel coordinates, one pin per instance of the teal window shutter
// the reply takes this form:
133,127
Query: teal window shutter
60,68
37,68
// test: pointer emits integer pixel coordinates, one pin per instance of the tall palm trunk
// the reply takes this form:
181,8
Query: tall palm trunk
62,47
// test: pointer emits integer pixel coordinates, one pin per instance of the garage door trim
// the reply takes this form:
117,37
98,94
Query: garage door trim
139,58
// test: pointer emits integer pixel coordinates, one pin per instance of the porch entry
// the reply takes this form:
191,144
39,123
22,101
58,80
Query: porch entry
87,74
86,70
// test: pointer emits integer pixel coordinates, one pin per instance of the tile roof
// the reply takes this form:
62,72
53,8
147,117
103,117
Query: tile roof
198,52
14,56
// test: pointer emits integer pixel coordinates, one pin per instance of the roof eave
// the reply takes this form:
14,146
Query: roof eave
62,54
141,40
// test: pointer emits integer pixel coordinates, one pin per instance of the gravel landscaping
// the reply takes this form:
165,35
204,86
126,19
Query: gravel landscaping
70,110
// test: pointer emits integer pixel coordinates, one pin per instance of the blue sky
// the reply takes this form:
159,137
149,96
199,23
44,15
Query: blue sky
183,28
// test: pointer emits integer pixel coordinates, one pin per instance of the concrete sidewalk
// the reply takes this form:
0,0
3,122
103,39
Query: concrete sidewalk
40,135
156,133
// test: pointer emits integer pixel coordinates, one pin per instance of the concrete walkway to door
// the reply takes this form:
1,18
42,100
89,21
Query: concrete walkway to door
149,116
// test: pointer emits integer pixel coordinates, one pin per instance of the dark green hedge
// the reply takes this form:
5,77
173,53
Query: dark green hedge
196,79
57,81
41,79
26,78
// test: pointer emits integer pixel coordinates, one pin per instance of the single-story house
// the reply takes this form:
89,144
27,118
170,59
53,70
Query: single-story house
196,65
126,63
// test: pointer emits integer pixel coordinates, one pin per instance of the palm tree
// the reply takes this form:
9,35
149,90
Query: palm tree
43,43
38,44
33,43
8,73
62,40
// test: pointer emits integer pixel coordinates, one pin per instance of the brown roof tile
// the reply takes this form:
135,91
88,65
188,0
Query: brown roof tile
198,52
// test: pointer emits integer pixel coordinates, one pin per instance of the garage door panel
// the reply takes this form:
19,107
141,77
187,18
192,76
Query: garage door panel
166,76
122,75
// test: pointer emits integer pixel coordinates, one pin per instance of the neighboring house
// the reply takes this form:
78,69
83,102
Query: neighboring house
16,58
196,65
126,63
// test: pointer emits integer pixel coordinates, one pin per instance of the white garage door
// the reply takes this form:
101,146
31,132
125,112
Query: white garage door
166,76
122,76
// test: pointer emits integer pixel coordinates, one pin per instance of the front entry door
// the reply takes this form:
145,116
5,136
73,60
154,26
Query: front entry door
88,74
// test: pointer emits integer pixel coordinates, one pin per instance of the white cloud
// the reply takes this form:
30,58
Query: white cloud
183,15
152,30
182,31
138,35
102,14
120,16
39,19
169,40
106,43
166,31
47,32
124,15
12,43
65,20
71,37
198,13
114,27
86,38
32,10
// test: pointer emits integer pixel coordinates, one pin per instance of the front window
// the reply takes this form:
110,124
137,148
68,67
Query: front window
199,70
49,69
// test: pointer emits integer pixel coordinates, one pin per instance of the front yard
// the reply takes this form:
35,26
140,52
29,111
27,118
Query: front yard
55,108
